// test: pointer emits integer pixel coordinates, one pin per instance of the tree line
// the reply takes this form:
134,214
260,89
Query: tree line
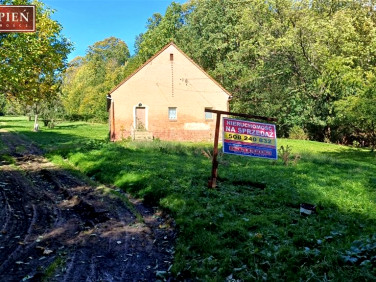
311,64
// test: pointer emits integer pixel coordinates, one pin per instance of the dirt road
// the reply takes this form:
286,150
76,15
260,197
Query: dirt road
56,227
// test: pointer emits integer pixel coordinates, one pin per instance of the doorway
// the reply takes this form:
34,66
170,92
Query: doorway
140,119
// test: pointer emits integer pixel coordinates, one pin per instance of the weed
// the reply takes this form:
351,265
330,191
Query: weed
296,159
7,159
284,153
208,153
49,272
128,204
362,252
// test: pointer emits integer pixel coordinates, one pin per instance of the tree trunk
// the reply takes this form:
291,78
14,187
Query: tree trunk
327,134
36,125
373,137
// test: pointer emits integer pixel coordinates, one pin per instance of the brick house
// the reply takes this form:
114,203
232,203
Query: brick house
166,98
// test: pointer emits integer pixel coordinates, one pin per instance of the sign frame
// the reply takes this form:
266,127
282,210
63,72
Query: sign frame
15,19
249,138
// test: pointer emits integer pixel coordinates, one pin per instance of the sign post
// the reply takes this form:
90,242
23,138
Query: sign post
213,179
237,137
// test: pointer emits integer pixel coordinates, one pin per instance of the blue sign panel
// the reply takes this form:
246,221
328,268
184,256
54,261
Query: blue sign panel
247,138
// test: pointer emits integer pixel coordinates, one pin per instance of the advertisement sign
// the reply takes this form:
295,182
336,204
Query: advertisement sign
17,18
247,138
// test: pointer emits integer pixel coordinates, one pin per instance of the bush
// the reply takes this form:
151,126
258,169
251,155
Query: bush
296,132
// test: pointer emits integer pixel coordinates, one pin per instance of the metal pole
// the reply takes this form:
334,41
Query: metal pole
213,179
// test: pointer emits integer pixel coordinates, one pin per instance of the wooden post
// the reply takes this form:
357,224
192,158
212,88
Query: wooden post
213,179
112,120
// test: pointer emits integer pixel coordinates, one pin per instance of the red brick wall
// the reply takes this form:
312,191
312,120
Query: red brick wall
168,130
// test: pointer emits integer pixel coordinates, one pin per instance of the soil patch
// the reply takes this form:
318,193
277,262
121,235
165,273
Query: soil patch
57,227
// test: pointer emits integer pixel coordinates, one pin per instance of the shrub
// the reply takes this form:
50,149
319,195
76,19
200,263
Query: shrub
296,132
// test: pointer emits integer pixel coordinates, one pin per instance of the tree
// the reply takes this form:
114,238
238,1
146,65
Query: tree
3,103
32,62
88,79
161,31
357,115
110,49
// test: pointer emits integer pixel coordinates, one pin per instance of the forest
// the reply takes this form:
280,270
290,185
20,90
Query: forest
311,64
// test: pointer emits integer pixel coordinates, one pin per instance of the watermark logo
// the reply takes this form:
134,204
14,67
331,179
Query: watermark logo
17,18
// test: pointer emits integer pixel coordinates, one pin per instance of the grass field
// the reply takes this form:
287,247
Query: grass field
239,230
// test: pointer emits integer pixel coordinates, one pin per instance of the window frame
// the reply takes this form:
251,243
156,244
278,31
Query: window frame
170,118
209,113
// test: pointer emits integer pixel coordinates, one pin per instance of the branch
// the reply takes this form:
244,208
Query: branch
305,52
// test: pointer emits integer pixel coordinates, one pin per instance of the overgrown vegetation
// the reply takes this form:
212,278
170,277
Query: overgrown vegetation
241,230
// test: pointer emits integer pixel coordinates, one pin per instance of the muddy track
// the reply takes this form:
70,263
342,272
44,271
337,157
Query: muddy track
56,227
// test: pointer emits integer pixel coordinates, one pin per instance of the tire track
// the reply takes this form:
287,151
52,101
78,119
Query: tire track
52,222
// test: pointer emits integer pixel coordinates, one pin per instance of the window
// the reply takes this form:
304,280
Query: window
172,113
208,115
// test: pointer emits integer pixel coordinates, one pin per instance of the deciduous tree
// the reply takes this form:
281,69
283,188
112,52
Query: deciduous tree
32,62
88,79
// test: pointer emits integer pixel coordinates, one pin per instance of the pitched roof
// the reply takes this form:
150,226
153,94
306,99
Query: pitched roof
156,55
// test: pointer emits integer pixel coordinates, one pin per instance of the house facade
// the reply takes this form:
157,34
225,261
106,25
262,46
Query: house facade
166,98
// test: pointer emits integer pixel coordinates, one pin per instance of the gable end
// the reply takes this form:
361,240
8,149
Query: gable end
171,59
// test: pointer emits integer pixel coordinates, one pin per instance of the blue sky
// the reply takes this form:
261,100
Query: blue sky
88,21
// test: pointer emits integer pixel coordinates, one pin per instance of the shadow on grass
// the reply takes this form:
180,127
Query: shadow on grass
70,126
4,119
148,173
7,126
354,155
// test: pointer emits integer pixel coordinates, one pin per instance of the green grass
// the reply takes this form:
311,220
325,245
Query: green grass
238,230
65,135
